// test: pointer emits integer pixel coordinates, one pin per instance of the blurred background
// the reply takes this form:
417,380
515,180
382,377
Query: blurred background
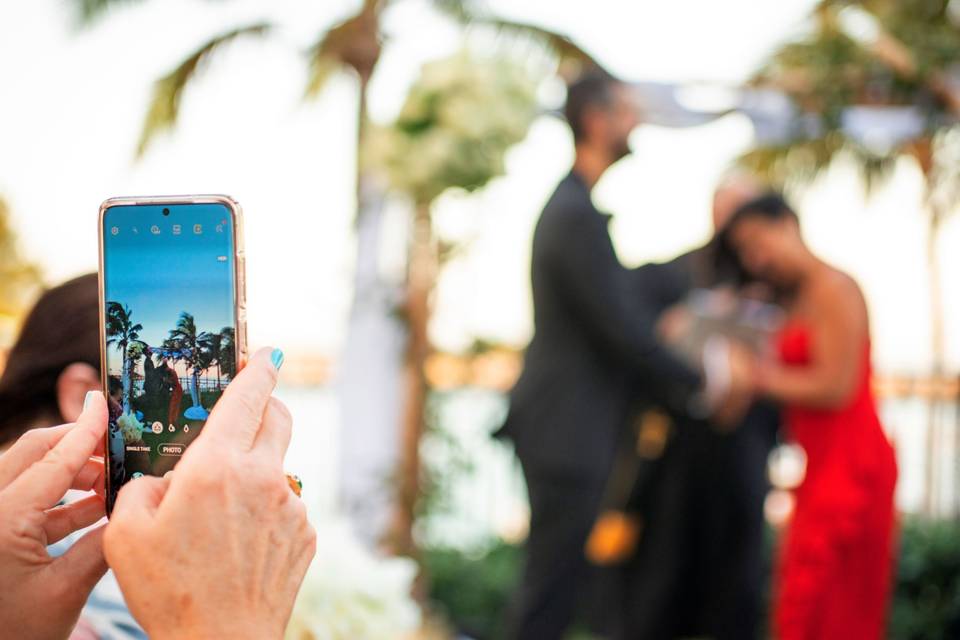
389,258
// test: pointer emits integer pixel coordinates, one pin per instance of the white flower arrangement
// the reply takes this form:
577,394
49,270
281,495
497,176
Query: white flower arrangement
457,123
130,428
351,594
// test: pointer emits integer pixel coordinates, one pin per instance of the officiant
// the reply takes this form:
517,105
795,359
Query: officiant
697,566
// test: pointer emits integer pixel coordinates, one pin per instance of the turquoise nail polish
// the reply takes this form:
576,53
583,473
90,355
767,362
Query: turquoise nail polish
277,358
87,399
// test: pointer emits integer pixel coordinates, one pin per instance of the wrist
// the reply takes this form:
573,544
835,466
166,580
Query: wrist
764,379
716,372
235,629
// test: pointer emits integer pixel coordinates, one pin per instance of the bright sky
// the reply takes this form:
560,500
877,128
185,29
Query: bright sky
73,102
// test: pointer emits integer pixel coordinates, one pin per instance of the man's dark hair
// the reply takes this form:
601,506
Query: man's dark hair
592,90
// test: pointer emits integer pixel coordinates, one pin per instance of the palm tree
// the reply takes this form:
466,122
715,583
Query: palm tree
191,347
353,45
19,278
124,333
213,344
896,57
226,360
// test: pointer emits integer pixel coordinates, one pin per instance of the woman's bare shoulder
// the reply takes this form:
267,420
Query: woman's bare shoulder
840,291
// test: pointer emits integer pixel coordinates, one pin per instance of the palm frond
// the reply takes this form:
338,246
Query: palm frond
562,46
89,11
566,50
460,10
792,165
353,43
168,90
796,165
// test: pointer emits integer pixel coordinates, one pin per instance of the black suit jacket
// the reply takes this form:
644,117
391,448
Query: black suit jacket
592,342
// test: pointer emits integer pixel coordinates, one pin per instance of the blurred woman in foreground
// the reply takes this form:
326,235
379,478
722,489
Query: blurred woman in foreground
837,558
52,366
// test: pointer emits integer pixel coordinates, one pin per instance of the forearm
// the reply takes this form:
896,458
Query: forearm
806,387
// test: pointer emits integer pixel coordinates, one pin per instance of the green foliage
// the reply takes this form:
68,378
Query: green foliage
472,589
926,603
354,43
910,48
121,330
91,10
168,90
227,352
19,278
457,123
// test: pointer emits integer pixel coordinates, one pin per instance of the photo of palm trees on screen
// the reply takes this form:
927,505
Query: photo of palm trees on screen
169,336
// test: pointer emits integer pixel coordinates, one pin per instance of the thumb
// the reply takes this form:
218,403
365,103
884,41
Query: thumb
139,498
83,564
133,512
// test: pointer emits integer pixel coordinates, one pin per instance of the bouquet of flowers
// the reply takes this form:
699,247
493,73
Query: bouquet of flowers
130,427
456,125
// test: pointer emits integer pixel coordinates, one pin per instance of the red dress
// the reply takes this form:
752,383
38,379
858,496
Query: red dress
837,558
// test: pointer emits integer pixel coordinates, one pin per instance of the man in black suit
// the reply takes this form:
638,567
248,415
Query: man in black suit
698,569
592,341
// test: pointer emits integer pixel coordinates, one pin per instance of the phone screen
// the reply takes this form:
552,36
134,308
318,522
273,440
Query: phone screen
170,330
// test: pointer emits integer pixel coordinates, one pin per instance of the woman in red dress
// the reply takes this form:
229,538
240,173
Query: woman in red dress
837,558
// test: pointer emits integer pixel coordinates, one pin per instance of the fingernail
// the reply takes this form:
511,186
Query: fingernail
277,358
87,399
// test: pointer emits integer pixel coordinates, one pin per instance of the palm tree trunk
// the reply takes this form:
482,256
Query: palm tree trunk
420,282
937,342
370,367
935,444
125,382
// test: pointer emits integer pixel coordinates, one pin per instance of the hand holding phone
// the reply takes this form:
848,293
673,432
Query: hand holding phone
43,595
219,548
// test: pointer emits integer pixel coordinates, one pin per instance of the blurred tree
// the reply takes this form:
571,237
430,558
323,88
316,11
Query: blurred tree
123,332
459,119
896,62
226,361
19,279
353,45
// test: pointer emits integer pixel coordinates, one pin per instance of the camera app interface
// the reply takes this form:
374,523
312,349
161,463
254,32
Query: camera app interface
170,334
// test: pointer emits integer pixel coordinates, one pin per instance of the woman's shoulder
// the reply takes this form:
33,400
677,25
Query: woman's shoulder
839,290
837,284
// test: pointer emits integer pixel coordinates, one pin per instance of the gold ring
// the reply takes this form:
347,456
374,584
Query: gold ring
295,483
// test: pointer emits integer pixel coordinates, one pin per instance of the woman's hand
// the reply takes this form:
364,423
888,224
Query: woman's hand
742,391
41,596
218,549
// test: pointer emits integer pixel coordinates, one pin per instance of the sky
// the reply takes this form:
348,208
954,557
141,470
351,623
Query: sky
161,275
73,100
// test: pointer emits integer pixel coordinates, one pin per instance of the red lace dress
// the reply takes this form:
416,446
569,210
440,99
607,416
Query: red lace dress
837,558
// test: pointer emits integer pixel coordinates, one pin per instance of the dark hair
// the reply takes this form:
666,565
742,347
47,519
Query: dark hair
592,90
771,206
61,329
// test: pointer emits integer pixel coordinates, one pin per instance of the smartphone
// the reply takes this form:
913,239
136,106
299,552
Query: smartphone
172,325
